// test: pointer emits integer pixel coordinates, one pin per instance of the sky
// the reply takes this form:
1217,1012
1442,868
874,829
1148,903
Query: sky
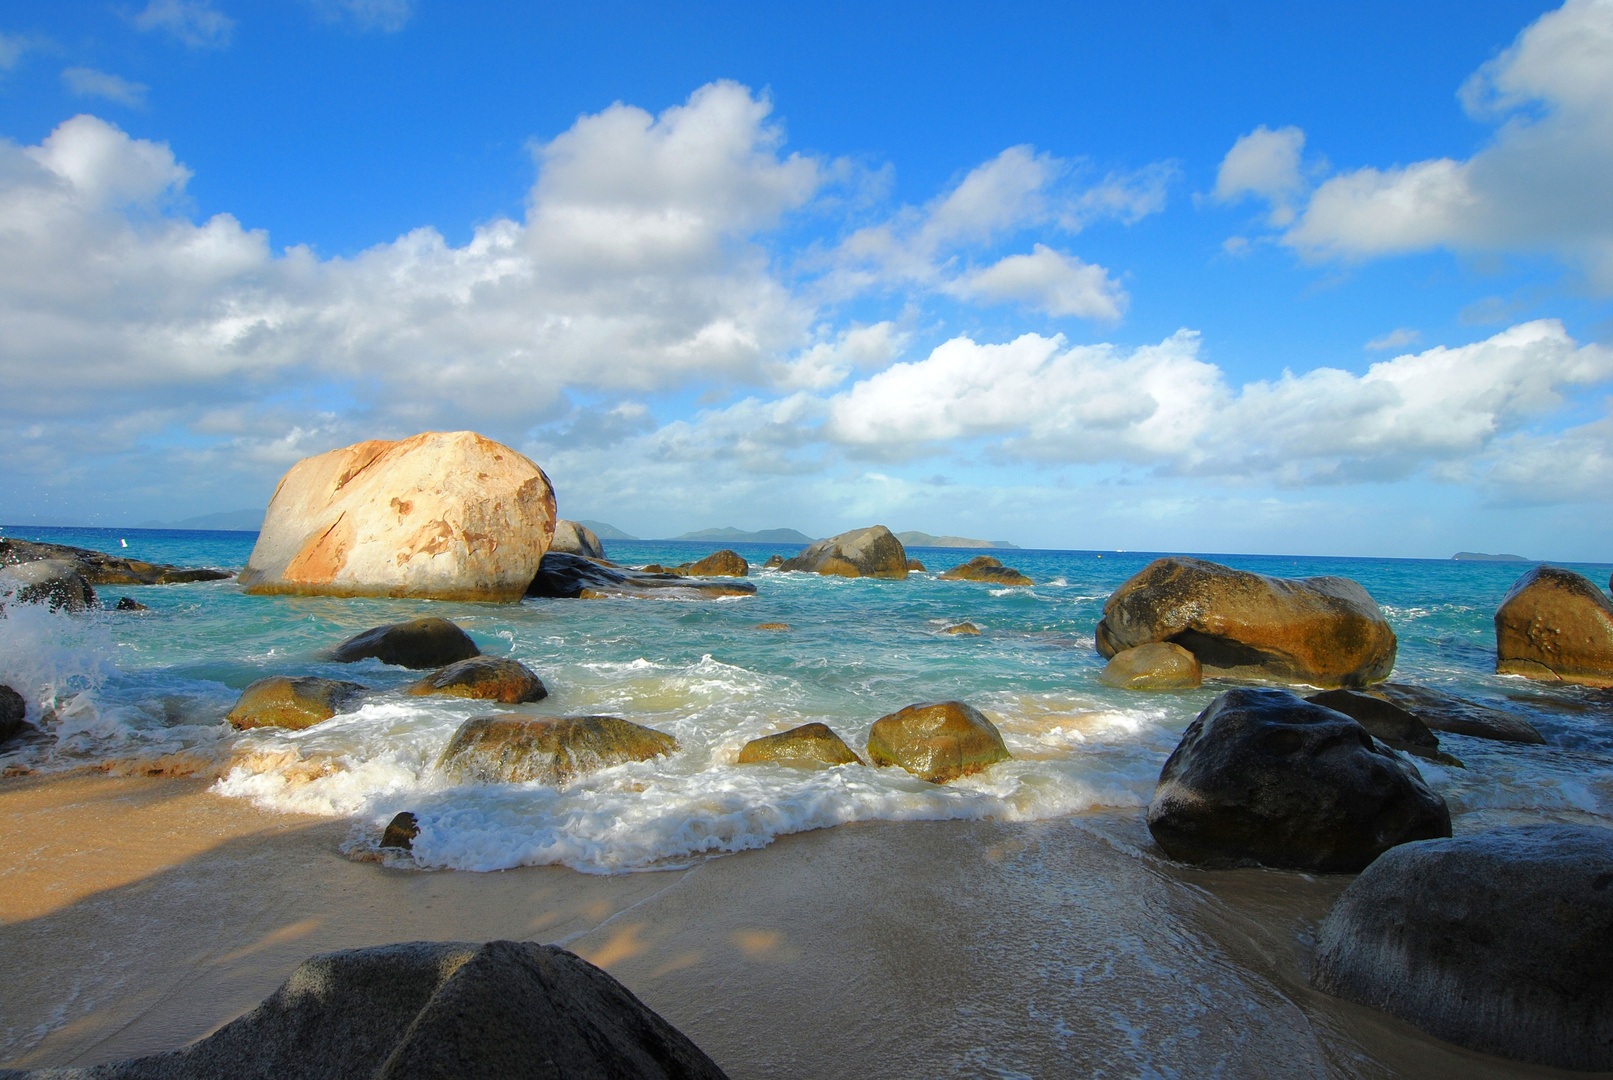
1145,276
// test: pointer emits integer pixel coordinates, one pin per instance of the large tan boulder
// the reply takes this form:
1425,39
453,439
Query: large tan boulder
936,741
870,552
442,515
1323,631
1159,665
1555,625
515,749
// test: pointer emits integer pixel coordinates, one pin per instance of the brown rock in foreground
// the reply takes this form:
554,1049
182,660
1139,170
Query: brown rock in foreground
870,552
401,831
417,644
99,568
1159,665
487,678
1324,631
295,703
570,538
987,568
1264,777
429,1010
807,745
442,515
936,741
1556,625
511,748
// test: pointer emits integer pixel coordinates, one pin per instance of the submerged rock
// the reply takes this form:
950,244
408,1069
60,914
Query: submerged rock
1440,711
914,566
870,552
401,831
426,1010
1325,631
967,629
808,745
773,562
442,515
55,583
773,626
1501,942
1556,625
288,702
571,577
417,644
511,748
987,568
1384,721
489,678
570,538
99,568
1265,777
936,741
13,714
129,603
1159,665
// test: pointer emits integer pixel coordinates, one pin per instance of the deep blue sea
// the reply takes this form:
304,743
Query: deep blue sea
147,692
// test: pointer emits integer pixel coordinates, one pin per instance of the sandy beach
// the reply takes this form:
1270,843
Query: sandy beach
140,914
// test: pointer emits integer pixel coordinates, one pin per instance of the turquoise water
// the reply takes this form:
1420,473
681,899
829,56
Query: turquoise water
147,692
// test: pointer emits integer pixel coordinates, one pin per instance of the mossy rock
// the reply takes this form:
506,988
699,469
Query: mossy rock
488,678
809,745
516,749
292,702
937,741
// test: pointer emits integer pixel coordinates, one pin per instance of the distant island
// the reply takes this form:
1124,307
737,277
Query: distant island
228,521
729,534
604,531
924,539
1479,556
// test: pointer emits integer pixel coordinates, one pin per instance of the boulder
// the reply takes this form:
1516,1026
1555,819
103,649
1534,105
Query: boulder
724,563
936,741
432,1009
773,562
967,629
1159,665
287,702
1555,625
987,568
417,644
401,831
1264,777
1384,721
1324,631
1500,941
1440,711
129,603
55,583
516,749
773,626
571,538
913,566
809,745
870,552
13,714
442,515
99,568
569,576
489,678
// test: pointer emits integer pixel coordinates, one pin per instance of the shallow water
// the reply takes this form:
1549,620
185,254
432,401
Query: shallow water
147,692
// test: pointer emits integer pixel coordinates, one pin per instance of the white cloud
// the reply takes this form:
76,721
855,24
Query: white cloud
1395,339
1541,185
1049,281
87,82
1264,163
1574,466
387,16
12,47
827,364
194,22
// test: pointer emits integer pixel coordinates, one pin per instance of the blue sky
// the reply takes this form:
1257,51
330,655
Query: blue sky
1152,276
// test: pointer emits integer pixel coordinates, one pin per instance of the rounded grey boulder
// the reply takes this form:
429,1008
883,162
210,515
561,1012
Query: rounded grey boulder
416,644
1501,942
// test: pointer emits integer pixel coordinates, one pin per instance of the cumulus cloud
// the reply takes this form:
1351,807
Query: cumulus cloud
12,47
195,22
1049,281
1539,186
88,82
1264,163
1395,339
387,16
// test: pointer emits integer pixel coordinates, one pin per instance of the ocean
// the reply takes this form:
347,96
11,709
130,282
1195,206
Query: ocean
146,693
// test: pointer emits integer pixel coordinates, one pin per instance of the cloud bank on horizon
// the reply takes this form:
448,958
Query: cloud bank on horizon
691,320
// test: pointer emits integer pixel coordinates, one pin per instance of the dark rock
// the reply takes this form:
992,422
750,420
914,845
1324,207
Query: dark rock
417,644
913,566
1440,711
519,749
987,568
282,701
1159,665
570,538
428,1010
808,745
1556,625
55,583
1383,719
967,629
870,552
724,563
99,568
401,831
129,603
490,678
13,714
936,741
1501,942
1325,631
1265,777
569,576
773,562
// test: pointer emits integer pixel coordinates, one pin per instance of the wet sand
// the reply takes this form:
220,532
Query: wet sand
139,914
